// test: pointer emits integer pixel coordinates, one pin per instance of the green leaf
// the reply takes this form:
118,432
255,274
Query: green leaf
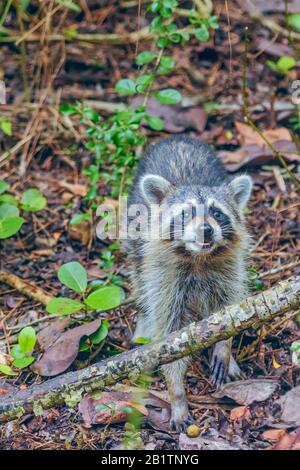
70,5
8,211
213,22
155,122
185,36
5,369
143,82
272,65
294,21
10,226
77,218
101,333
104,298
166,64
68,109
295,346
9,199
126,87
24,4
23,362
145,57
84,346
258,284
202,34
16,352
6,126
3,186
168,96
63,306
27,339
90,114
142,340
285,63
73,275
162,42
33,201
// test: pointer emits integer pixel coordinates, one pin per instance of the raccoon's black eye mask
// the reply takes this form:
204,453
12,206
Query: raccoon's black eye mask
218,215
188,214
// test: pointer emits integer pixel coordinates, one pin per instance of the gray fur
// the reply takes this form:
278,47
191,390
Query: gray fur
173,288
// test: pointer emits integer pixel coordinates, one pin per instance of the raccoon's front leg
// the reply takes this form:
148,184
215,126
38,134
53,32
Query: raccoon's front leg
223,366
174,374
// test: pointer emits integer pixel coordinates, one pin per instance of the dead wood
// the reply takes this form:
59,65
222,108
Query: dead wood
69,388
25,287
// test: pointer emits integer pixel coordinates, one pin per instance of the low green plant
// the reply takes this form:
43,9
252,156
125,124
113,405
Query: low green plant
295,349
6,126
117,141
74,276
256,284
295,119
21,353
10,208
283,65
294,21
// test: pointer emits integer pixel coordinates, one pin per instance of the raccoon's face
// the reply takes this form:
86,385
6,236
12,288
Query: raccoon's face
198,220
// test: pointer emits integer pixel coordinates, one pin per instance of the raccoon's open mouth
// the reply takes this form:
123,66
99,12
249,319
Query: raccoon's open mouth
199,247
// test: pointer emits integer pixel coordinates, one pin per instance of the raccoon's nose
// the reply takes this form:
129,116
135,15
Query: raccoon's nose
207,231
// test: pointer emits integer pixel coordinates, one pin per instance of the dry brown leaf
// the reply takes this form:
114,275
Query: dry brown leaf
77,189
109,409
95,272
63,352
246,392
290,407
261,6
48,335
176,118
274,435
110,203
288,441
274,48
255,155
81,232
239,413
248,136
112,407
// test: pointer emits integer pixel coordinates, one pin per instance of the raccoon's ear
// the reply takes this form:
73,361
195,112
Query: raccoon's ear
241,187
154,188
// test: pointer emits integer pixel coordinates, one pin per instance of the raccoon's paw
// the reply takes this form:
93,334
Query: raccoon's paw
219,367
234,372
222,372
180,417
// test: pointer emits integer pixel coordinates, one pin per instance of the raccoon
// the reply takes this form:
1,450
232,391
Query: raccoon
197,265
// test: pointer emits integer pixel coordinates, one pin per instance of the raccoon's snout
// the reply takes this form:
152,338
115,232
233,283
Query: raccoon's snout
205,232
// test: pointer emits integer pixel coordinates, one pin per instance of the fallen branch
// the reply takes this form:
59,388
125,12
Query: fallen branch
25,287
109,39
69,387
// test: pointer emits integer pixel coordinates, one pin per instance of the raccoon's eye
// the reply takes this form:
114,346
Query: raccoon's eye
186,214
218,215
189,213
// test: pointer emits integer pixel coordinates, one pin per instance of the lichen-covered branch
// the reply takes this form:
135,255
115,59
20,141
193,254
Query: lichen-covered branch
25,287
69,387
